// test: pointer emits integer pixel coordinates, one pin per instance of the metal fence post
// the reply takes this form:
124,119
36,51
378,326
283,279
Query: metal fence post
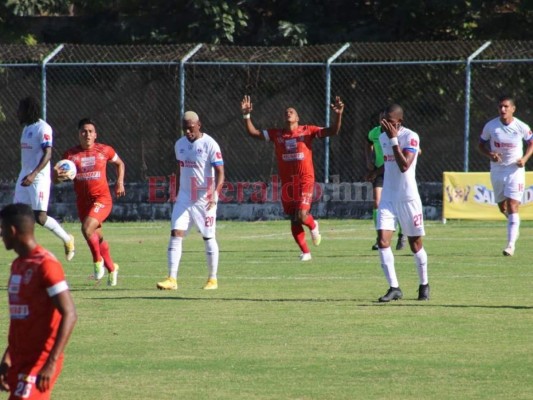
43,77
328,102
182,77
467,102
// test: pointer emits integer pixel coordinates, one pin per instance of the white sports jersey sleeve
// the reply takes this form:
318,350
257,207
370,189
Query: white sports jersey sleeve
506,140
398,186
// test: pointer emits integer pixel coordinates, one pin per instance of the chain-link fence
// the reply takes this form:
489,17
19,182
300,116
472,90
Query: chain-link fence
138,93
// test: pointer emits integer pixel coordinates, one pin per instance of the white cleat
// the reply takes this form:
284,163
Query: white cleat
112,277
508,251
305,257
315,235
99,270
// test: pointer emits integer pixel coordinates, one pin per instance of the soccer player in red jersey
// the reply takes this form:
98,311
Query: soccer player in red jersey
42,313
93,197
293,147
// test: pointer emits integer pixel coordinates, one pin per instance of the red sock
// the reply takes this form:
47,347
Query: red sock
94,246
310,222
106,255
299,235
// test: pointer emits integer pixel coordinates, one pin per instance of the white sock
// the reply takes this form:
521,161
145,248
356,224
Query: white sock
211,252
513,226
421,260
387,264
53,226
174,255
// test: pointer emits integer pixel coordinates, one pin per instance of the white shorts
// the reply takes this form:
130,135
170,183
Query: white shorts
36,195
184,215
508,184
409,214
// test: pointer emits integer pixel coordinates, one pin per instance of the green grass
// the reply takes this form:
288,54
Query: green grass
281,329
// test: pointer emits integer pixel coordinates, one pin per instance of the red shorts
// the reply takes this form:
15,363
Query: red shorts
22,381
97,210
297,197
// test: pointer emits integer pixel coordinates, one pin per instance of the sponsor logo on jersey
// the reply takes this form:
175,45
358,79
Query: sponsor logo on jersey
19,311
87,176
14,284
504,145
292,156
47,138
88,162
218,155
413,142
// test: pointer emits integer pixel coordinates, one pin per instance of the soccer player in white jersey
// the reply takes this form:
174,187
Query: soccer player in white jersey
199,180
33,183
502,142
400,201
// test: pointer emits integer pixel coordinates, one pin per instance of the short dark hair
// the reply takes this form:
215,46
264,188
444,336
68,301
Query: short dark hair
31,109
506,97
19,215
85,121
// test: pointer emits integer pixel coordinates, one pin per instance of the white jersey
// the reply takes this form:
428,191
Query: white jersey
34,139
506,140
398,186
197,173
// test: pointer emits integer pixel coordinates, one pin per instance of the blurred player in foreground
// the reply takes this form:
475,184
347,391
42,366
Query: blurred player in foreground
375,174
200,176
294,153
502,142
33,183
93,197
400,201
41,309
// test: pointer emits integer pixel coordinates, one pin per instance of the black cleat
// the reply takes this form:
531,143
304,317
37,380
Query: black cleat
423,292
375,246
394,293
400,244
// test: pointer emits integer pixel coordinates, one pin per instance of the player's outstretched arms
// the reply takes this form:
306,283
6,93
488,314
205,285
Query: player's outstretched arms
246,109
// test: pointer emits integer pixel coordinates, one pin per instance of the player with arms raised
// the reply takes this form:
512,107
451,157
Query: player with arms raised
502,142
93,197
293,148
400,201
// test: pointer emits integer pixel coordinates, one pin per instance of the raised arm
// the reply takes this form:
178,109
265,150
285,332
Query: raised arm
246,108
338,108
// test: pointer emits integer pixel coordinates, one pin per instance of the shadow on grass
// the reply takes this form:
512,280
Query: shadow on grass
413,303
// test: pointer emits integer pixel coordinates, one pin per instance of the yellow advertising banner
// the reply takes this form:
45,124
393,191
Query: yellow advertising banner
469,195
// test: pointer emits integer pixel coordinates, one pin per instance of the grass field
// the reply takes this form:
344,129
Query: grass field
280,329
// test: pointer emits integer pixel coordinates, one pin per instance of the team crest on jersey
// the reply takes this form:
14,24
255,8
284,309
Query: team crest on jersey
199,151
27,276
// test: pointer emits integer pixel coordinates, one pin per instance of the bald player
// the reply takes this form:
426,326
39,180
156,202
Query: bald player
199,180
294,153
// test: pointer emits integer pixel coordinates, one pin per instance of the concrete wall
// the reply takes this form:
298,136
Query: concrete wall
143,201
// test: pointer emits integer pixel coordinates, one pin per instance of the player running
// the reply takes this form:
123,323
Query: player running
502,142
400,201
93,197
200,176
33,183
293,148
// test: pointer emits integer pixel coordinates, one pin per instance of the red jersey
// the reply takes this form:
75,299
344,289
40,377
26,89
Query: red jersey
91,183
294,151
34,280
